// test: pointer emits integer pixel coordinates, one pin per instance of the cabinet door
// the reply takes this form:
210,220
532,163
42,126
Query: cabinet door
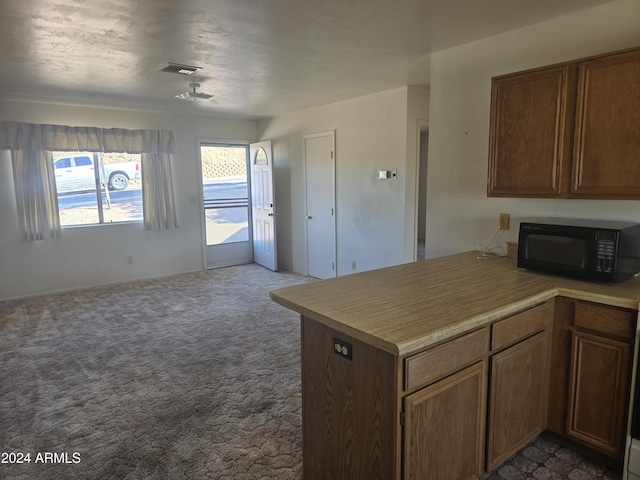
444,428
599,390
531,129
606,160
517,404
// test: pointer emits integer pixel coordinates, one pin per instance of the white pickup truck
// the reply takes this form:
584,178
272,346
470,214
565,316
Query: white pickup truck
77,172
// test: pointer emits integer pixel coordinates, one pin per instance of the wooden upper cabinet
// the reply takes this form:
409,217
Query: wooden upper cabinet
567,131
607,137
531,113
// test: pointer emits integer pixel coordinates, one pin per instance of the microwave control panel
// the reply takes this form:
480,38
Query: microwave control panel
605,251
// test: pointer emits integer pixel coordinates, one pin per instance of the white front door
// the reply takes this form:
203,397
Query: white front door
320,188
262,203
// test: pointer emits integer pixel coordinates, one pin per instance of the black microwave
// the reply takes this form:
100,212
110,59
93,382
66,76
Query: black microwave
595,250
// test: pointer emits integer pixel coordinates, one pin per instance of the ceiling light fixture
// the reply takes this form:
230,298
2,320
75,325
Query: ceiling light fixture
193,95
178,68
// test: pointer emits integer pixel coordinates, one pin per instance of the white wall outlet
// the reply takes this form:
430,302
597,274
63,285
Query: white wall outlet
343,349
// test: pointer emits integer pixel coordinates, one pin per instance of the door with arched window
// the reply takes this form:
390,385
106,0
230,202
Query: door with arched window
263,205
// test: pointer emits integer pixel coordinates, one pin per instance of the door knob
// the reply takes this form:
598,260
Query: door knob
309,217
271,214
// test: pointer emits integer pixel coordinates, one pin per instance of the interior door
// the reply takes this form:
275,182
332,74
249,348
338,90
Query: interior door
320,202
262,203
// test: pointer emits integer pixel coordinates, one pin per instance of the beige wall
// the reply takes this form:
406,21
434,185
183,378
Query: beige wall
375,219
459,214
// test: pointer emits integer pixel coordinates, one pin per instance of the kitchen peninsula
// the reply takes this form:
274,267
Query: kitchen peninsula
442,368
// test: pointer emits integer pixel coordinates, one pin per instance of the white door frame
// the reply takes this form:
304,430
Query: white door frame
199,201
332,134
422,126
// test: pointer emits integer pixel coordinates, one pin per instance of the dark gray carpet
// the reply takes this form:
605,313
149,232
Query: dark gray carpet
188,377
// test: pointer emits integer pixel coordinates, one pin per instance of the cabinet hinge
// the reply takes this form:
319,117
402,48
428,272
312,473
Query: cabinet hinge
402,418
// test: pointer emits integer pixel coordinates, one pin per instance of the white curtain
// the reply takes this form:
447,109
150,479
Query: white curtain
36,137
159,207
36,195
35,182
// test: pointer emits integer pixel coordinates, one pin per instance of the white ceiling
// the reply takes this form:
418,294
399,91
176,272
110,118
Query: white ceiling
259,58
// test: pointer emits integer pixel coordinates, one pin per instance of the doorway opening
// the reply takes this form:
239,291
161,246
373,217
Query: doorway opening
227,212
423,150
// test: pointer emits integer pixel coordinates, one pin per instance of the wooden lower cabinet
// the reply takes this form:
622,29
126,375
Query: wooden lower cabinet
599,392
350,418
561,361
461,407
590,379
444,427
518,398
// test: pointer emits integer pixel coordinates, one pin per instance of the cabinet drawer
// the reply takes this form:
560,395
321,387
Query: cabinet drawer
519,326
605,319
447,358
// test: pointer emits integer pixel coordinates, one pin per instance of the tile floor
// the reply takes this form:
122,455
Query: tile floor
544,459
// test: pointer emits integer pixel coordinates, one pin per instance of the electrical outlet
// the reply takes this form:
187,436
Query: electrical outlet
130,260
342,348
504,221
353,265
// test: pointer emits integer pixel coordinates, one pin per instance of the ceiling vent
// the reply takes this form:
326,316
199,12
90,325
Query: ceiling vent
193,95
178,68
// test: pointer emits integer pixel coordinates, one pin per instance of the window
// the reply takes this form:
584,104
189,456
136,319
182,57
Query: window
95,188
37,200
226,201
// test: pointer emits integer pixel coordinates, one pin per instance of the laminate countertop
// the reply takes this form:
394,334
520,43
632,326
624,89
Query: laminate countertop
405,308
